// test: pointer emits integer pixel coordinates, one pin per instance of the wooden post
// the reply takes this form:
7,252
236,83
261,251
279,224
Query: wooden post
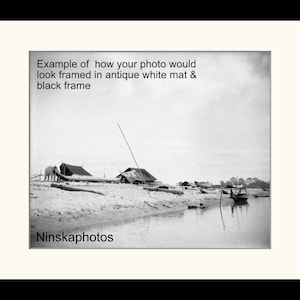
221,209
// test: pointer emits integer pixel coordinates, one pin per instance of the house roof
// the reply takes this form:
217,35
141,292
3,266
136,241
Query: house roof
135,174
69,170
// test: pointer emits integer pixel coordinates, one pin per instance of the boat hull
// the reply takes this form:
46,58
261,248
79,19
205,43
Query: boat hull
239,199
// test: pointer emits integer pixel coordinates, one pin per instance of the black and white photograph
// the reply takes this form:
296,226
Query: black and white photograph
150,149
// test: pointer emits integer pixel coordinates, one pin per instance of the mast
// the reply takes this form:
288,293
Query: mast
132,154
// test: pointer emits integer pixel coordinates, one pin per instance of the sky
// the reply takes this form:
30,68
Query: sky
208,128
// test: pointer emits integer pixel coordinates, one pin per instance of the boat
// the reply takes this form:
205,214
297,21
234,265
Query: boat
208,191
164,189
196,206
261,195
84,178
239,195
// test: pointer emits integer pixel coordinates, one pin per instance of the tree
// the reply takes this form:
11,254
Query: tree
259,184
233,180
228,184
242,181
249,180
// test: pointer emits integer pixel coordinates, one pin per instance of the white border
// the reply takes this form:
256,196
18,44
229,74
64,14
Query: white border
20,37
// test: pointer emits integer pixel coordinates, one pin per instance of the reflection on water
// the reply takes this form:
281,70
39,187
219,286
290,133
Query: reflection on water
244,225
239,206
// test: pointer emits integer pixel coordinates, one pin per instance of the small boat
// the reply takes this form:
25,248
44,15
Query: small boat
192,206
208,191
164,189
261,195
84,178
239,195
196,206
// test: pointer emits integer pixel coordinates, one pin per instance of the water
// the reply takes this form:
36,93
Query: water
242,226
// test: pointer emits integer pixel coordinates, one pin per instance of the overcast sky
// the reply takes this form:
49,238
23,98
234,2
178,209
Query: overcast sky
205,129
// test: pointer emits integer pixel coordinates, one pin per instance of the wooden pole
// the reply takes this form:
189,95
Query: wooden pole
132,154
221,207
221,190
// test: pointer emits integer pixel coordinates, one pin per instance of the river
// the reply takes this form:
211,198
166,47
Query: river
236,226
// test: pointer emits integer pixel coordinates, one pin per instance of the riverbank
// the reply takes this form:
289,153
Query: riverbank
53,210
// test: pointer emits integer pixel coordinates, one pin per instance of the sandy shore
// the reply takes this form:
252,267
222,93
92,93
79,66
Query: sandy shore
54,210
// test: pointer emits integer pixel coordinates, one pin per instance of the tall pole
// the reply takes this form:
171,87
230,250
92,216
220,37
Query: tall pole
220,204
131,153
